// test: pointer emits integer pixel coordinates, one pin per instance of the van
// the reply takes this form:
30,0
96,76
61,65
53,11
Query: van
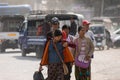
30,41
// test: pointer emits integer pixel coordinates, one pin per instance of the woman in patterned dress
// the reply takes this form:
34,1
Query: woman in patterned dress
84,49
55,66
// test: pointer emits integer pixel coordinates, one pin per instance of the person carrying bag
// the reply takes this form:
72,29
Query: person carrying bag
50,57
64,65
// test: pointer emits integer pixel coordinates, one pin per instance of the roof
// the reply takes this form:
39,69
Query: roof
14,10
48,17
105,19
96,25
36,17
61,16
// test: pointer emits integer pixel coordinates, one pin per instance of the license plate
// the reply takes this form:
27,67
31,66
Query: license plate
11,41
11,34
99,44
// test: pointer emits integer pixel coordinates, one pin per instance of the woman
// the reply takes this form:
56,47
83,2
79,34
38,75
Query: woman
83,52
55,66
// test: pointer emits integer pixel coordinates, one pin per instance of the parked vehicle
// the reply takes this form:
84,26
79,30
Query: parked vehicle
30,41
106,21
10,19
116,38
99,34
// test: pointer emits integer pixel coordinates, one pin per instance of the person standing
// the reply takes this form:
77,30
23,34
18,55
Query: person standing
108,39
73,27
55,66
66,37
83,52
89,34
54,26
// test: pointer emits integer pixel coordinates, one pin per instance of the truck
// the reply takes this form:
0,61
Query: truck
30,41
11,16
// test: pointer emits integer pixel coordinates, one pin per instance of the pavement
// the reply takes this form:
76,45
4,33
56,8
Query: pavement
105,65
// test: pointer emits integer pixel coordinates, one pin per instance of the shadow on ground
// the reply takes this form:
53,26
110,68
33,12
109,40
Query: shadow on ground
29,57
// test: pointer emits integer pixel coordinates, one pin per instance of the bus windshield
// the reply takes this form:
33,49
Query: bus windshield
97,30
38,26
10,25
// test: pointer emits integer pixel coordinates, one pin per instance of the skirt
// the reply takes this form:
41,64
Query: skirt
55,71
83,74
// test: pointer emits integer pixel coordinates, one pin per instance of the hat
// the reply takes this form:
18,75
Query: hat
54,20
57,33
85,22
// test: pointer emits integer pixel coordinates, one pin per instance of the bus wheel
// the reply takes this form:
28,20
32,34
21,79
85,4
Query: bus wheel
103,48
23,52
2,49
39,51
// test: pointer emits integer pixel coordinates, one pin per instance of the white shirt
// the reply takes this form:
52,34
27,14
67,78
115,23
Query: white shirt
90,35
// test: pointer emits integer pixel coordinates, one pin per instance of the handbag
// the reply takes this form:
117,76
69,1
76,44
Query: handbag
65,68
80,59
44,60
81,62
38,75
68,56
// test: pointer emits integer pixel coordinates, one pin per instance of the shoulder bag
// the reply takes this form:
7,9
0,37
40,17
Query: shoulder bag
80,59
64,65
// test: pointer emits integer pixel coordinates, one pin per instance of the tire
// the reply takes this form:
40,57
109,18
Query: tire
99,48
23,52
2,50
39,51
117,44
102,47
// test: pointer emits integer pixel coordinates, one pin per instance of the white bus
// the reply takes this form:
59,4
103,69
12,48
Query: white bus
10,18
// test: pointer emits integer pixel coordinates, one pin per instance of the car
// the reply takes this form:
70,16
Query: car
116,38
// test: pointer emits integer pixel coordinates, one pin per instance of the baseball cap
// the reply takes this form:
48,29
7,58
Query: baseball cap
54,20
85,22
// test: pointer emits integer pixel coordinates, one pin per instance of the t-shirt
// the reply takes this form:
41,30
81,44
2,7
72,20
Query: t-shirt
52,54
64,35
90,35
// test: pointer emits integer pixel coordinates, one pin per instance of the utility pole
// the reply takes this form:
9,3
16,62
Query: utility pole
35,5
102,7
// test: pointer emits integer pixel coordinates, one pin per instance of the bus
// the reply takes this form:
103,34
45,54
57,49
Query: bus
11,16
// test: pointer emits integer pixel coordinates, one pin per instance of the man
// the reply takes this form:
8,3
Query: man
54,26
73,27
108,39
39,30
50,35
89,33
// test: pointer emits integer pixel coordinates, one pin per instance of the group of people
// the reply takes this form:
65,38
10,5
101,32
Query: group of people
81,48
